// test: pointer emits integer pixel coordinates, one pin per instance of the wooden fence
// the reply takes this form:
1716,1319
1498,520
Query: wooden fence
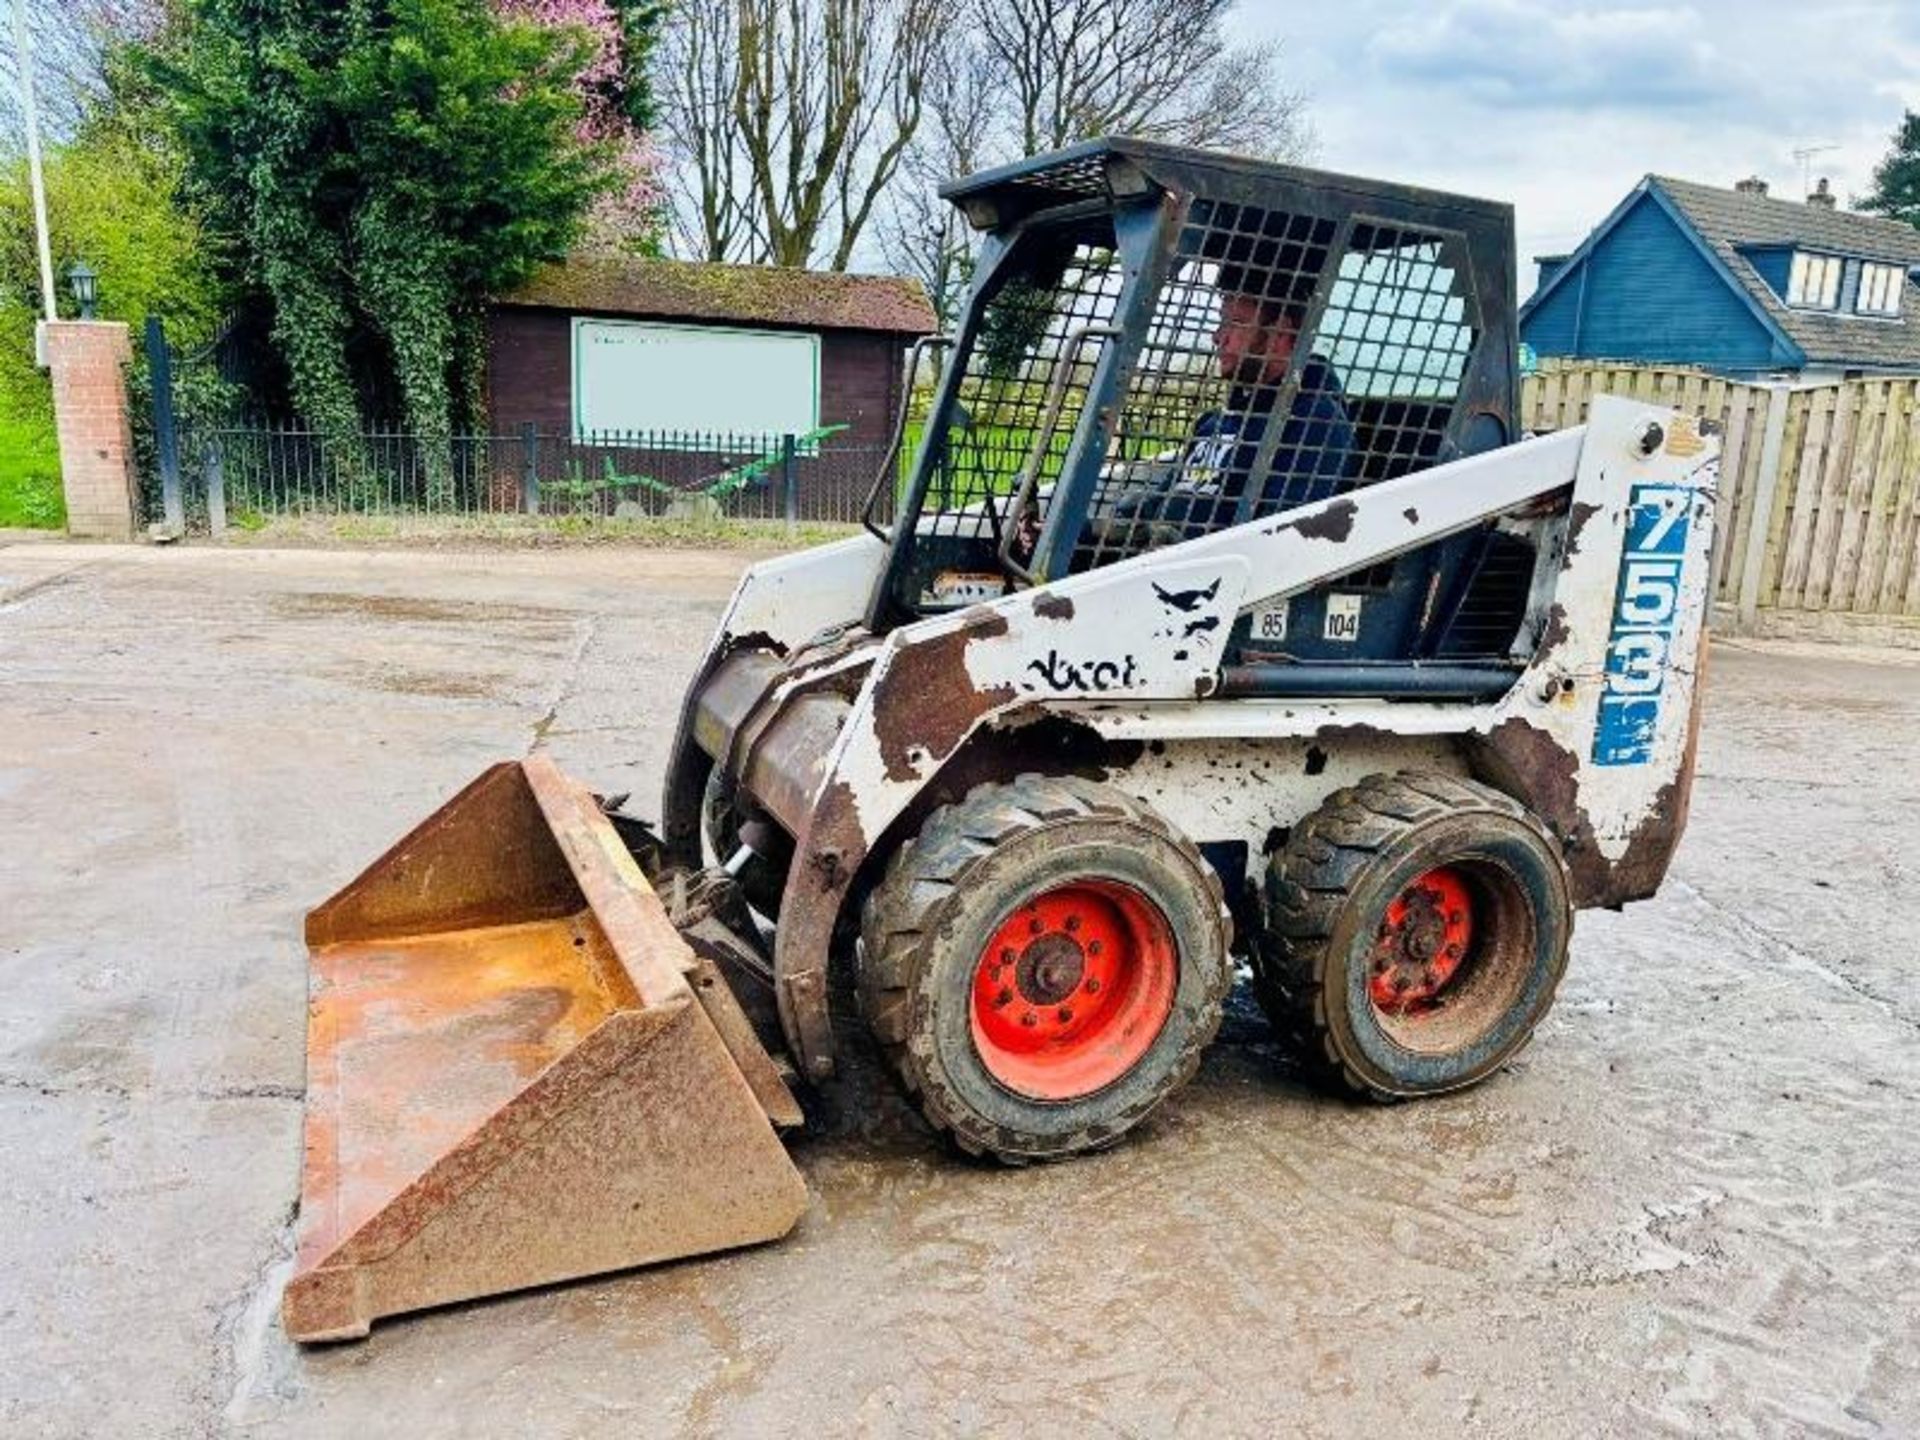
1819,484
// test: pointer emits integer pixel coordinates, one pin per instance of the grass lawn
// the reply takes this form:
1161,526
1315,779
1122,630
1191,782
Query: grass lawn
30,476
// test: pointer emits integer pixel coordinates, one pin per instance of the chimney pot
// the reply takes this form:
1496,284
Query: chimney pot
1822,195
1752,185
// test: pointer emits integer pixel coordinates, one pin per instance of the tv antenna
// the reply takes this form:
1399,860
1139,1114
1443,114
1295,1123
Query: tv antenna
1804,154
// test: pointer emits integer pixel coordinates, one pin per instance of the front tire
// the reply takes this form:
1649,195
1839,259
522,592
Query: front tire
1417,928
1043,965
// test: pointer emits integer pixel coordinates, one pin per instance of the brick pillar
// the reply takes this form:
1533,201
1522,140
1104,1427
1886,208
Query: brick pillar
87,358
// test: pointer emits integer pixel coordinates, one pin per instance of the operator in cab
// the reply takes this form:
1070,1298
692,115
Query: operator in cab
1261,315
1258,333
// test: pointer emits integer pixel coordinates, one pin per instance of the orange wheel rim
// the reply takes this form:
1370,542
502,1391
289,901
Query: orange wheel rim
1073,989
1426,935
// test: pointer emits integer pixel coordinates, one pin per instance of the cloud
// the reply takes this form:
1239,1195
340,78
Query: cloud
1562,110
1519,54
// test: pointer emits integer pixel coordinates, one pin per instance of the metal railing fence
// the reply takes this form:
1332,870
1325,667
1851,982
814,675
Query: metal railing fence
252,473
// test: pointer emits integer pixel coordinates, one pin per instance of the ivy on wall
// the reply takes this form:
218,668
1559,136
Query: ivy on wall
375,169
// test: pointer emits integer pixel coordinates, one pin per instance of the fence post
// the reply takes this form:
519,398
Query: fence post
166,443
216,488
1760,513
530,468
790,483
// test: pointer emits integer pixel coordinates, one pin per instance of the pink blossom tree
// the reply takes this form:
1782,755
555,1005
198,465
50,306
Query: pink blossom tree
611,86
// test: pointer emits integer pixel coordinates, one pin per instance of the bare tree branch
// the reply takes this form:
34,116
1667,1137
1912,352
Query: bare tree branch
1162,68
794,121
919,233
1017,77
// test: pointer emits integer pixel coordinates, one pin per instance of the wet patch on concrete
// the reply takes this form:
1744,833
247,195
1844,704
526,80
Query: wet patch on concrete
339,604
429,684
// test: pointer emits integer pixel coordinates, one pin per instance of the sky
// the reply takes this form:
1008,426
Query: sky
1560,108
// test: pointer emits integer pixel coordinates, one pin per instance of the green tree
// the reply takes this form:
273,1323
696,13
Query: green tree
1896,179
111,201
641,23
377,168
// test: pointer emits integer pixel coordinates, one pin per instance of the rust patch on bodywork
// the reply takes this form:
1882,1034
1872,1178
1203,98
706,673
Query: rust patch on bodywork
834,848
1335,523
1017,743
1049,606
1337,733
1577,519
1553,635
1536,769
925,701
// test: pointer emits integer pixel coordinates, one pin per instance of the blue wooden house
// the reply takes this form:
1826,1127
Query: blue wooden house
1736,282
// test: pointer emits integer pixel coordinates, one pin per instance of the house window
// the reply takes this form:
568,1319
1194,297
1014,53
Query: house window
1815,281
1880,287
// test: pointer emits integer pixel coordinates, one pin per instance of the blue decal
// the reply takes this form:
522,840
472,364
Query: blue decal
1645,610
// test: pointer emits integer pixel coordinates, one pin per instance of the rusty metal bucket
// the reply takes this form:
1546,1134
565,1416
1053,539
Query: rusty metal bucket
518,1072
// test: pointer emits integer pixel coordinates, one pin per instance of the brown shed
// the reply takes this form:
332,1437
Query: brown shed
605,345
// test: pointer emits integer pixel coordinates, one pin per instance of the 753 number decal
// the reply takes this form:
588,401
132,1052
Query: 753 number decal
1646,611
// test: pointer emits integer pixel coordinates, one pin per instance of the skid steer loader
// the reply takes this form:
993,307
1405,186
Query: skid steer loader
1222,617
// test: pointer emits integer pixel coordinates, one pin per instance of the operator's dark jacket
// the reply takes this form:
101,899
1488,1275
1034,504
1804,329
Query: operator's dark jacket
1311,462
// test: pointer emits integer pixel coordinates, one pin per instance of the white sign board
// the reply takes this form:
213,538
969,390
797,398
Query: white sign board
639,375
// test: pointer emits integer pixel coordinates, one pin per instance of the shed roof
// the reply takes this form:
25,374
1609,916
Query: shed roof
1730,221
735,294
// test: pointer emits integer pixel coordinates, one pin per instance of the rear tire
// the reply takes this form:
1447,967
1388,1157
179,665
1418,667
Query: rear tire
1042,965
1417,928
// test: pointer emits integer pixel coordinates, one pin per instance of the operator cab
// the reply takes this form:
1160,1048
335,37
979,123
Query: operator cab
1163,342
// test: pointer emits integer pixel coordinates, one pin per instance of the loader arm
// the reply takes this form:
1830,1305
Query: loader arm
778,606
1143,637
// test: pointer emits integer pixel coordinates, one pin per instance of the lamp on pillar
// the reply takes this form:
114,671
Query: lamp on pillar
84,283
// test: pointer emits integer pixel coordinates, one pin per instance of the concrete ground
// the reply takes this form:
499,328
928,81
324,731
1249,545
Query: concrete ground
1693,1207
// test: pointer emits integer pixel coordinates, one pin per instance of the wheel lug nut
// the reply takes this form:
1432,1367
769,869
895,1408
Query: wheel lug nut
1093,985
1035,925
1006,956
1003,999
1073,924
1094,947
1065,1015
1029,1018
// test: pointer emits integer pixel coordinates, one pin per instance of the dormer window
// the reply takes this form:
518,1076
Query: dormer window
1880,287
1814,281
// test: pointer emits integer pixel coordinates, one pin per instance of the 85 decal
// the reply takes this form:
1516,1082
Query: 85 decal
1645,611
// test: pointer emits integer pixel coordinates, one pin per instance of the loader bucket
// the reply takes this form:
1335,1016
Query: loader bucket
518,1072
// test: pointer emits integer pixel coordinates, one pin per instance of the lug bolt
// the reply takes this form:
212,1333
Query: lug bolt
1065,1015
1003,999
1094,947
1028,1019
1006,956
1093,985
1035,926
1073,924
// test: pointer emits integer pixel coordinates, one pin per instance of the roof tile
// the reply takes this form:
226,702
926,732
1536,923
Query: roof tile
1730,220
755,294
